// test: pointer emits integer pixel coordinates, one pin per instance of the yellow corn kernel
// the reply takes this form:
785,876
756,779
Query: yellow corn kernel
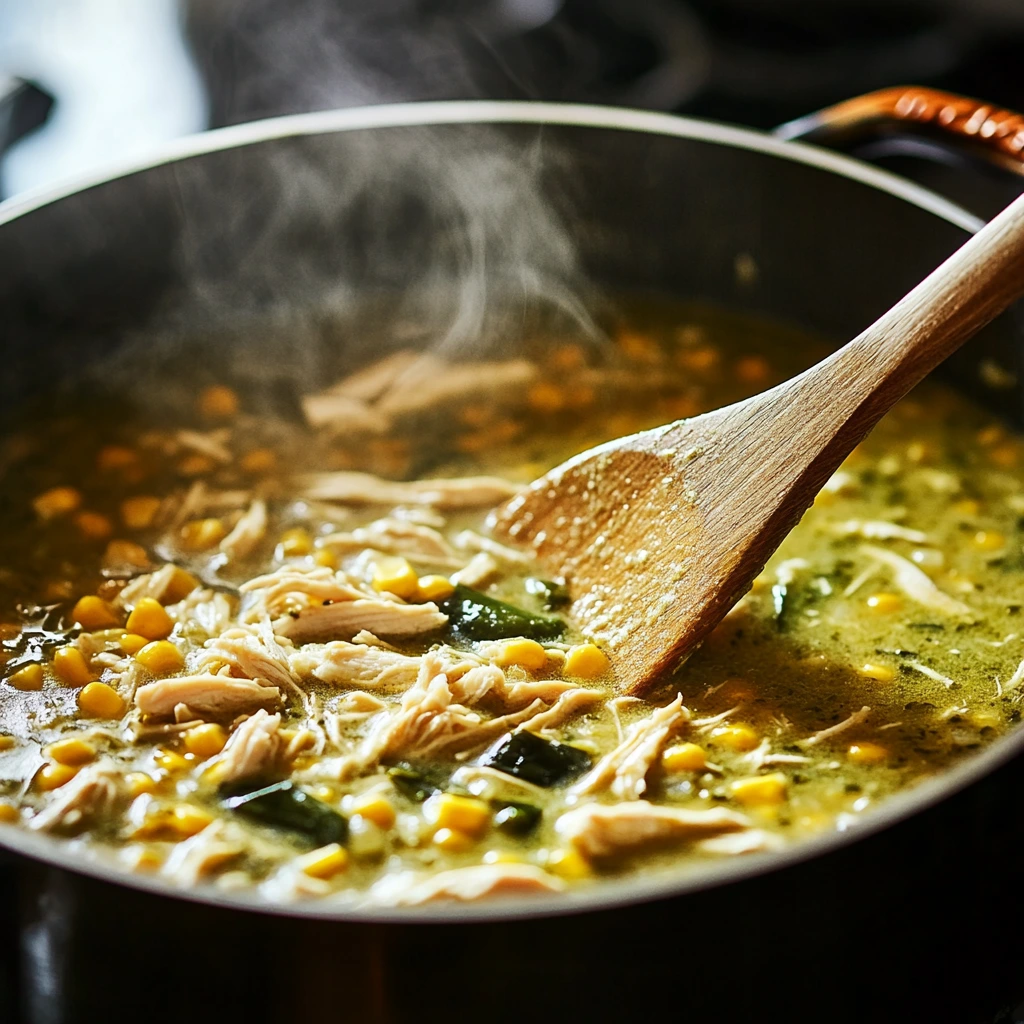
28,678
435,588
58,501
170,760
545,396
760,790
327,558
141,858
885,604
149,619
70,667
132,643
375,808
93,613
113,457
969,507
186,820
205,740
180,585
9,814
98,700
196,465
526,653
8,742
639,347
738,737
463,813
568,864
72,751
125,552
985,718
218,403
295,543
866,753
202,534
139,512
160,657
684,757
988,540
323,863
586,661
1004,455
93,525
139,783
452,841
53,776
396,576
882,673
501,857
258,461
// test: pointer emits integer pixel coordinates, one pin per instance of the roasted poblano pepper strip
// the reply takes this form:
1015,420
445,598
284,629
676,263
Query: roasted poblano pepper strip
517,819
542,762
285,805
417,784
551,594
476,616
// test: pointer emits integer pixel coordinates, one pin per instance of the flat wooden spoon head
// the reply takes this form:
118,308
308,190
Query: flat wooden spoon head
660,533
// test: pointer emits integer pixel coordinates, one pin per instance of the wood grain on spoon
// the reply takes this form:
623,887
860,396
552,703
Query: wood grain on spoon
659,534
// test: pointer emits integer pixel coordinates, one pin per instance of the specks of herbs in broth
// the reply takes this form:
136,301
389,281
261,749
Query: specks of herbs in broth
242,652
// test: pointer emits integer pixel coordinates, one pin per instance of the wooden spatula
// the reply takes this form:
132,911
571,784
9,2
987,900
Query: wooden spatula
658,534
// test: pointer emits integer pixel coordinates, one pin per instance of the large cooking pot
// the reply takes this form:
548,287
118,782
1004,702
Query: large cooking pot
247,247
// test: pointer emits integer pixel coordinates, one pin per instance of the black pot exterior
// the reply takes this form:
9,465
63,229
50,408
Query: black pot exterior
917,922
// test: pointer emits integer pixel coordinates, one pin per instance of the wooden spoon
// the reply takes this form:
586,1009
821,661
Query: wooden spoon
659,534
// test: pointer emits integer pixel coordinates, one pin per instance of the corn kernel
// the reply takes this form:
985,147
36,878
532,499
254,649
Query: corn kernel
501,857
1004,456
698,359
93,525
132,643
760,790
202,534
435,588
180,585
218,403
160,657
639,347
196,465
326,558
568,864
586,661
141,858
295,543
8,742
969,507
100,701
375,808
866,753
180,822
139,783
684,757
9,814
93,613
30,677
170,760
58,501
395,576
527,654
114,457
882,673
52,776
323,863
205,740
884,604
125,552
258,461
988,540
462,813
545,396
138,513
738,737
452,841
149,619
72,751
70,667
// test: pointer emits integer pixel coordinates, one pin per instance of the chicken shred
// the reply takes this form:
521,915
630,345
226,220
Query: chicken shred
247,532
253,750
96,792
464,885
206,694
347,664
365,489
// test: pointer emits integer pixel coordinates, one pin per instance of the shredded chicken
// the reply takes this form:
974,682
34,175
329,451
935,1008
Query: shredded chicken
212,443
602,830
95,793
569,703
480,881
915,584
625,768
344,664
477,571
205,853
206,694
369,383
470,540
834,730
366,489
255,655
153,584
734,844
878,529
342,413
210,610
247,532
396,536
253,750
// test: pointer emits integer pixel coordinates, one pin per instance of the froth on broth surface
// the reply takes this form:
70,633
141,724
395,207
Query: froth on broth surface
238,651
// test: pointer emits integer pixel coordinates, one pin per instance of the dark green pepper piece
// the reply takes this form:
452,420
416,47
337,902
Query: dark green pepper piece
517,819
542,762
416,784
476,616
284,805
552,595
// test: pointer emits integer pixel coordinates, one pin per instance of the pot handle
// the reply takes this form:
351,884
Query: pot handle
977,128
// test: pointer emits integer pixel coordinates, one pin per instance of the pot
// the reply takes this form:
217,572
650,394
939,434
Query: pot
910,915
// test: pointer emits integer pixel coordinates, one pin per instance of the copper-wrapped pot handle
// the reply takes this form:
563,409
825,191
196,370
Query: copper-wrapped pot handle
983,129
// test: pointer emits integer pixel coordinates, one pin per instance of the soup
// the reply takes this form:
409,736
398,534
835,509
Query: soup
242,651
